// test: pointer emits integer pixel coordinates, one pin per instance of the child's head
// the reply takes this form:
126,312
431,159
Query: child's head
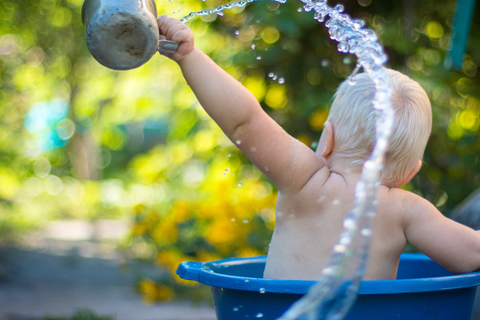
353,118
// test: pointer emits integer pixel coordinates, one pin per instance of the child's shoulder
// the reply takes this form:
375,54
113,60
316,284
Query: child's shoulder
403,202
404,196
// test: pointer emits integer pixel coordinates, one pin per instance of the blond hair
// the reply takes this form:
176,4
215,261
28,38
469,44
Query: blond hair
354,118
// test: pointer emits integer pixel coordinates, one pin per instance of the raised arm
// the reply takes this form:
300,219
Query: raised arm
452,245
285,160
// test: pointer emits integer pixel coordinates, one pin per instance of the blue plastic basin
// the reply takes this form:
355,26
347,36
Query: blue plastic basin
423,290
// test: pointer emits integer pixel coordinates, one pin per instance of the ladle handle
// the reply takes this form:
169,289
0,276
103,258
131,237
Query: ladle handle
167,46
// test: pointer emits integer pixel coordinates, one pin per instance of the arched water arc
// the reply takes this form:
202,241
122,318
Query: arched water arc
335,291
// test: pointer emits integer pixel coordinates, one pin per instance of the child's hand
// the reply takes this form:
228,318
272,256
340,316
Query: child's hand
174,30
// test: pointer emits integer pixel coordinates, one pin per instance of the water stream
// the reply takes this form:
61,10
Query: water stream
331,297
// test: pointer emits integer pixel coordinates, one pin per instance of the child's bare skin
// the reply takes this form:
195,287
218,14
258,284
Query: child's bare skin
316,190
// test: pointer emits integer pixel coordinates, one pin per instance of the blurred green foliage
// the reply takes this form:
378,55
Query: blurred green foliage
138,145
82,314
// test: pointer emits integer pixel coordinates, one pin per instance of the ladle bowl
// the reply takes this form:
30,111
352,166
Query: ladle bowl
121,34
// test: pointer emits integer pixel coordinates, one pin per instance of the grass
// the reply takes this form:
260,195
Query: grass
83,314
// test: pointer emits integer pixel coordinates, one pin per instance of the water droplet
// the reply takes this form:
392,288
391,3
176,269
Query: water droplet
239,184
345,240
245,221
271,74
259,315
340,248
366,232
235,309
314,145
228,169
233,219
274,77
339,8
299,10
229,155
237,33
253,46
221,289
343,47
349,224
281,80
357,24
324,63
346,61
335,202
262,290
259,58
238,142
328,271
246,280
220,14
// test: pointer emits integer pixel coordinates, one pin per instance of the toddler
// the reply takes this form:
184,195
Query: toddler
316,189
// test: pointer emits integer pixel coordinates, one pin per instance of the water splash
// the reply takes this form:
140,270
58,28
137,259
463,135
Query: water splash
220,8
335,291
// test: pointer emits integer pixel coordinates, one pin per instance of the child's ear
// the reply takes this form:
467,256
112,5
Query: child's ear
411,174
330,141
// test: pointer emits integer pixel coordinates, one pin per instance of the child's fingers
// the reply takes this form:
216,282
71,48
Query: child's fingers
165,22
175,29
181,35
172,29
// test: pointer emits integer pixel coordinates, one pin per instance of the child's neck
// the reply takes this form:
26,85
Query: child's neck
340,166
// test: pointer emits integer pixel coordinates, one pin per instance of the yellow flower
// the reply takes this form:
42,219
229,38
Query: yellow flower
183,282
181,211
165,232
247,251
203,256
224,233
139,229
171,259
152,292
139,208
151,218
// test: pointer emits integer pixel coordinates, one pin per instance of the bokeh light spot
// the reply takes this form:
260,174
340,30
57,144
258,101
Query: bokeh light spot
317,119
276,97
270,35
434,30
